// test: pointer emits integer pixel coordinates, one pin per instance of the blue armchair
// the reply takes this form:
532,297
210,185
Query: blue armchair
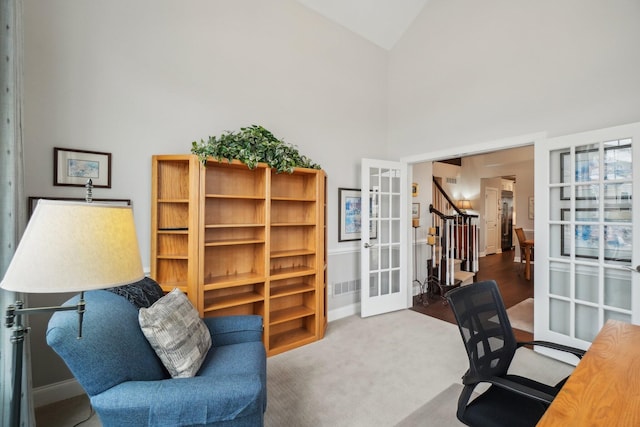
128,384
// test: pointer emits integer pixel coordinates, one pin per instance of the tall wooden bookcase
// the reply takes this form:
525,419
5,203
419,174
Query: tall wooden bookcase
243,241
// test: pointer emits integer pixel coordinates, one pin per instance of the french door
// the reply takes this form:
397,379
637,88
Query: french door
587,222
383,254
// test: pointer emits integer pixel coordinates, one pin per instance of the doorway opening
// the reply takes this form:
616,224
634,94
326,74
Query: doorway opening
507,172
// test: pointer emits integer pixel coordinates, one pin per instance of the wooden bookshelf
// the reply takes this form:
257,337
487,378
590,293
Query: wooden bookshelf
243,241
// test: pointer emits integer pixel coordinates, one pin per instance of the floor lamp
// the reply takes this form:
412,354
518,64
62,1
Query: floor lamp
68,247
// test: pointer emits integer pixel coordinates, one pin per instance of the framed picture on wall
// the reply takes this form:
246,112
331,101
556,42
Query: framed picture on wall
415,210
350,214
75,167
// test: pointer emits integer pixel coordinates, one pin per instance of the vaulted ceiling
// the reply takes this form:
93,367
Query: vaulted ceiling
382,22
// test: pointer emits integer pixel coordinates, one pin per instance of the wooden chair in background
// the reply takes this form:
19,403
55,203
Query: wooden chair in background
526,250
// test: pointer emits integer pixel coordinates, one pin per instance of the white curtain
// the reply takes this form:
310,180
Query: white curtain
12,199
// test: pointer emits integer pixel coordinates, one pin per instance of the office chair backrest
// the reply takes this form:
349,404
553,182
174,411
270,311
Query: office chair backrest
485,328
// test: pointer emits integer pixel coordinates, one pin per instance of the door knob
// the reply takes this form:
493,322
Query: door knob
635,269
367,246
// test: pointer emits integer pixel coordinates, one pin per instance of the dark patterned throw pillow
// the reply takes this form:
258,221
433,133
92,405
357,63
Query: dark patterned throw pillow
142,294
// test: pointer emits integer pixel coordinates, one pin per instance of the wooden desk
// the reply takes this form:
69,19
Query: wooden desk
604,389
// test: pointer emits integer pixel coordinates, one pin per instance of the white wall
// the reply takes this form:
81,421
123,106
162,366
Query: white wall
137,78
144,77
469,72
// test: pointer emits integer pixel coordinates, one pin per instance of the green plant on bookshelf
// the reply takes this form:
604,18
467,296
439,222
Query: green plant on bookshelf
252,145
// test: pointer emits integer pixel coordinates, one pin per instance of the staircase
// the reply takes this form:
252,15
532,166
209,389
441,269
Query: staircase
454,240
464,277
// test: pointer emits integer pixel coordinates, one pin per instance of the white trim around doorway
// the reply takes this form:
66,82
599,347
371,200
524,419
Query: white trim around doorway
475,149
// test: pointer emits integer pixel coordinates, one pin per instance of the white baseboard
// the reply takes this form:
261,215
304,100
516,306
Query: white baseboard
56,392
342,312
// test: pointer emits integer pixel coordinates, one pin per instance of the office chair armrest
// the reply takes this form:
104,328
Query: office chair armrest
575,351
521,389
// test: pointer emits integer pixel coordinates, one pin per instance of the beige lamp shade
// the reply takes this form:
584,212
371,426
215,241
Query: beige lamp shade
72,247
464,204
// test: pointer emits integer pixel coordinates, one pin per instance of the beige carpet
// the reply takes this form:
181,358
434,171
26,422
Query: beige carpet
379,371
439,411
521,315
365,372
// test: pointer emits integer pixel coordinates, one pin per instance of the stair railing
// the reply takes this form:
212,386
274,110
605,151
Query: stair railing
462,231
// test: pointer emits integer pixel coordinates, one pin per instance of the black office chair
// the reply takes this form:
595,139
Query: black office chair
510,400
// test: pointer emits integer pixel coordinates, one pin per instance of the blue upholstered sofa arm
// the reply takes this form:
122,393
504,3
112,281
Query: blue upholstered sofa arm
234,329
201,400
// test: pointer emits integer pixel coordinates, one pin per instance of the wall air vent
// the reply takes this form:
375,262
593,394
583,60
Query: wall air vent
349,286
452,180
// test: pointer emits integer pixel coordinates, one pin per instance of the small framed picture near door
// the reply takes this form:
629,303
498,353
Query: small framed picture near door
415,211
349,215
75,167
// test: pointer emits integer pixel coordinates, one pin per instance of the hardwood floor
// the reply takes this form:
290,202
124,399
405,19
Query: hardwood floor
510,278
